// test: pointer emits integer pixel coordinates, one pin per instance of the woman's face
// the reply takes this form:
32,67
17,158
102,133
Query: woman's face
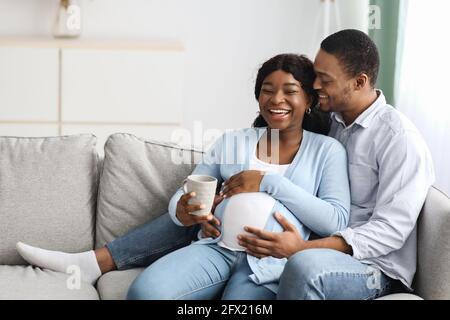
282,101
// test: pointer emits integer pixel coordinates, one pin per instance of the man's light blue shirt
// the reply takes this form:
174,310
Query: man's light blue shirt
390,171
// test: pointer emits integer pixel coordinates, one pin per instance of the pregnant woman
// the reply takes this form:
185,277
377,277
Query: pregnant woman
275,167
278,166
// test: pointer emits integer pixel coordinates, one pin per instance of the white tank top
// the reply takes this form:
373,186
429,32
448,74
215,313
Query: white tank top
248,209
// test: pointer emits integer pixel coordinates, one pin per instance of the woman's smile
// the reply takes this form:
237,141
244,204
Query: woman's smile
279,114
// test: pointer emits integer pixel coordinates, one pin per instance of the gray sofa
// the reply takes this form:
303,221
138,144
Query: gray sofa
57,193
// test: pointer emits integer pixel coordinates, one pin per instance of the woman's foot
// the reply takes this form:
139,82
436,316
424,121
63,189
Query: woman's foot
61,261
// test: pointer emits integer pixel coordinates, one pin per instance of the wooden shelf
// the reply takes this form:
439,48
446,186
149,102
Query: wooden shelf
101,44
92,123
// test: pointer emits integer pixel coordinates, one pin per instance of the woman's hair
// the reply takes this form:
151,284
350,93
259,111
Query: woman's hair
302,70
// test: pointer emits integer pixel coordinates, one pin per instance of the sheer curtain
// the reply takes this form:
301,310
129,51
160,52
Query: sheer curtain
423,86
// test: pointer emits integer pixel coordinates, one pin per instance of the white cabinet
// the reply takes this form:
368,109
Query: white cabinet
28,84
122,86
28,129
101,87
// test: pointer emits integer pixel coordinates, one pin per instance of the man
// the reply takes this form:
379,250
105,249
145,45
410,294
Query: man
390,172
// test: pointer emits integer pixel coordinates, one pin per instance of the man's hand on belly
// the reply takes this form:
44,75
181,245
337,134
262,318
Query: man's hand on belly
261,243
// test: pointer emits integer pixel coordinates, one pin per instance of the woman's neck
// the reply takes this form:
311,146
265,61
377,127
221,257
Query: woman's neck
286,146
288,137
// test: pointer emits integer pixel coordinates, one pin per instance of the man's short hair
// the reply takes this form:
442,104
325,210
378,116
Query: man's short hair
356,51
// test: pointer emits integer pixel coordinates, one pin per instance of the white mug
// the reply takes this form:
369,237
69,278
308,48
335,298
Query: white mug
205,189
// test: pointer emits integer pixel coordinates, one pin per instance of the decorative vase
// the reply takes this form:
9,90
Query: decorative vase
68,20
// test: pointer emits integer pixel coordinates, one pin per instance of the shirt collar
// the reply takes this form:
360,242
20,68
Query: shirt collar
364,119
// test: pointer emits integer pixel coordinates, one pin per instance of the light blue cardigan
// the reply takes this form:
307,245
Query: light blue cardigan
313,194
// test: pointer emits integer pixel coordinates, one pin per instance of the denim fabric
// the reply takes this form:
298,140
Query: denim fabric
201,272
319,274
148,242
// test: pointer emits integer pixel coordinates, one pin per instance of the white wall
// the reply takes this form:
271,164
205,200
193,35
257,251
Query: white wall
225,41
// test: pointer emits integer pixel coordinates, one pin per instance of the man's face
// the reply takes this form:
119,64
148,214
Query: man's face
332,84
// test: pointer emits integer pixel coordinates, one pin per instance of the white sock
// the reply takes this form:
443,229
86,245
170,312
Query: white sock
60,261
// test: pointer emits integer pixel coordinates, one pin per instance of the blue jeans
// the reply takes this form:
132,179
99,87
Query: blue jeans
308,274
148,242
318,274
199,272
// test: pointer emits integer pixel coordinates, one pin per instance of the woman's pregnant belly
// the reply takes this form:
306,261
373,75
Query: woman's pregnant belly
244,209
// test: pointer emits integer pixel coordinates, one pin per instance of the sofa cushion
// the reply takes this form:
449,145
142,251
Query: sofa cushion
400,296
433,273
114,285
48,190
28,283
138,178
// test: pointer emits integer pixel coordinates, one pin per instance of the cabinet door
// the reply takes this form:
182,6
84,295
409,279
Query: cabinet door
29,84
122,86
28,130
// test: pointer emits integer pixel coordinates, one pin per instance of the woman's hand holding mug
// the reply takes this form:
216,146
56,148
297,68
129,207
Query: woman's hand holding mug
184,210
195,205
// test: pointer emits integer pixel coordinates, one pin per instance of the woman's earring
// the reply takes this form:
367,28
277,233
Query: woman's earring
308,111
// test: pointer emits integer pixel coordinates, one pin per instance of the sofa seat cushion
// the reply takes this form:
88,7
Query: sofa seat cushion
114,285
138,179
48,190
400,296
29,283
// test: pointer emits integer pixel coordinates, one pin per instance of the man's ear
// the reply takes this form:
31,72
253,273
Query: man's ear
361,81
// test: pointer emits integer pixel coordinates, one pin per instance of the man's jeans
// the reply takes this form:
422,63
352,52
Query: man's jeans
318,274
147,243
